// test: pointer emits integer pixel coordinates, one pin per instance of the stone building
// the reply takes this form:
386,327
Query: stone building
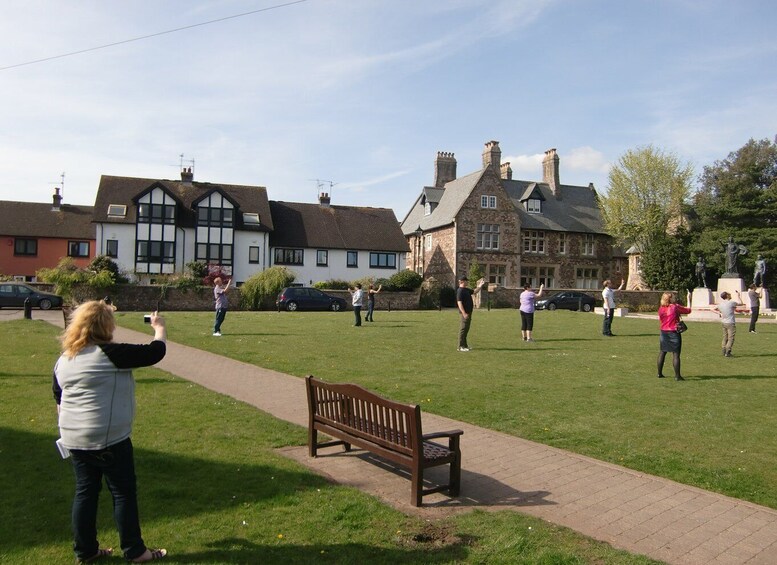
520,232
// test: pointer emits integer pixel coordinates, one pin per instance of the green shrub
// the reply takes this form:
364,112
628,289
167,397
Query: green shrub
333,284
262,288
448,297
66,276
430,294
197,269
475,273
406,280
104,263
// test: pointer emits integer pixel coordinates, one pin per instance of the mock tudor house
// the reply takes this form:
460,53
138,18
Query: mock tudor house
520,232
321,242
37,235
153,227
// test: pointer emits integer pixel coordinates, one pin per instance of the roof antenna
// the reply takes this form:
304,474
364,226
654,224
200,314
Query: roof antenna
320,186
61,184
182,161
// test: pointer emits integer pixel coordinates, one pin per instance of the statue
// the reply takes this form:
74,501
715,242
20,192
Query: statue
760,271
733,251
701,273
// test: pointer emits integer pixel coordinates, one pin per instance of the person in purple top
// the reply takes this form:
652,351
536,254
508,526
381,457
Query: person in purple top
220,296
527,310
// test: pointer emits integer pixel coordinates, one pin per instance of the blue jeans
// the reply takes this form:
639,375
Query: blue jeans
607,322
221,313
117,465
370,308
357,315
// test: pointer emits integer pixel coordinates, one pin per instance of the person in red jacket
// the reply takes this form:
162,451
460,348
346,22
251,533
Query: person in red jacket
671,340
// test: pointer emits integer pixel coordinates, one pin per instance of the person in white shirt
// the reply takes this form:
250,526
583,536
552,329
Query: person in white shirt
727,312
608,301
356,300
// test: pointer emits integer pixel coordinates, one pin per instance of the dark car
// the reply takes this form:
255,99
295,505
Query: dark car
13,295
295,298
567,300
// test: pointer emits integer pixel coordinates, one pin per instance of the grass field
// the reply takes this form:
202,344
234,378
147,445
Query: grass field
572,388
211,487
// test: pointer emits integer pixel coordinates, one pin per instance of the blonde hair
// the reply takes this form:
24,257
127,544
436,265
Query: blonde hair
92,322
667,298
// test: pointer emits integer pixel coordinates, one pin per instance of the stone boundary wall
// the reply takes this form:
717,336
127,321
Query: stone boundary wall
634,300
138,298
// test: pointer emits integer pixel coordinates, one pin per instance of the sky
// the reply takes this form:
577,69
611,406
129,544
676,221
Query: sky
356,97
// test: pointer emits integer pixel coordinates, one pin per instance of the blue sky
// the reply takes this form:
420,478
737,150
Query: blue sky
365,92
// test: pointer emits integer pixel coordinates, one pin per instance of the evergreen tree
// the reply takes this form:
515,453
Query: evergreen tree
738,197
667,263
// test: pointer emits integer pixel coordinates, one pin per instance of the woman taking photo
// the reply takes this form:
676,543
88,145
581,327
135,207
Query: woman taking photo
95,394
671,340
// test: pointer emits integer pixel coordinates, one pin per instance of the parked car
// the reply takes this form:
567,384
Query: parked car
13,295
295,298
567,300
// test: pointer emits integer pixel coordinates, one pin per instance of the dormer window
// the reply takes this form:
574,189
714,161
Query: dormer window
427,208
487,201
534,206
117,210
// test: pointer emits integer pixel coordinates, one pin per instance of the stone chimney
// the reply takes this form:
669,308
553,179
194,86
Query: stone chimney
550,172
492,156
187,176
56,200
507,172
324,200
444,169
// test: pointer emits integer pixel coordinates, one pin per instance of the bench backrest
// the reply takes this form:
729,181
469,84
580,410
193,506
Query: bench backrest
366,415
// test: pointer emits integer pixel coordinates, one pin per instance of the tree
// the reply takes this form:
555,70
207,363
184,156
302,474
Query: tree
646,192
738,197
667,263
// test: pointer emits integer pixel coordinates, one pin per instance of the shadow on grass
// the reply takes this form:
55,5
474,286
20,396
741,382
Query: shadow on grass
240,550
738,377
38,486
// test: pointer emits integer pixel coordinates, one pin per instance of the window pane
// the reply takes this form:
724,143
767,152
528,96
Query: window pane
112,248
253,254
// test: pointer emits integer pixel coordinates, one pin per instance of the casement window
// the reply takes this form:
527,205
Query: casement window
588,245
253,254
285,256
562,243
534,241
352,259
383,260
214,253
322,258
22,246
156,213
78,249
535,275
155,252
533,206
487,201
428,242
587,278
112,248
497,274
487,236
215,217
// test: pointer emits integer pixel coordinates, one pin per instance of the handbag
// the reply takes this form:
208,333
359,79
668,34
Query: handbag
681,326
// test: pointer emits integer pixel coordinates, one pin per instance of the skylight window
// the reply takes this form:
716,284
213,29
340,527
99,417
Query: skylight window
117,210
251,219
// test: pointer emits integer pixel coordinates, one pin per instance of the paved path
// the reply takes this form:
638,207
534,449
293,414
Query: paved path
640,513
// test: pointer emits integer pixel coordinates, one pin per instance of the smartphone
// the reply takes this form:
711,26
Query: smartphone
147,318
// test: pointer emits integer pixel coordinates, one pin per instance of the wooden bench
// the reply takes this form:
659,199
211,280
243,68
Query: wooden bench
391,430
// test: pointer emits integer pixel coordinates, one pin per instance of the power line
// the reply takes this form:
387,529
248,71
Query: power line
151,35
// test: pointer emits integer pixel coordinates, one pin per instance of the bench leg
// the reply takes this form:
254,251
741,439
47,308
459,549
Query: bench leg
347,446
455,476
312,442
416,487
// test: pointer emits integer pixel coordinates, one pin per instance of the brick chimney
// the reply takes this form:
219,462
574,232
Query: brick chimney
492,156
56,200
324,200
444,168
550,172
507,172
187,176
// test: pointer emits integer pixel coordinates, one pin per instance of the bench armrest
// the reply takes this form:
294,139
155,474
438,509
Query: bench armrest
435,435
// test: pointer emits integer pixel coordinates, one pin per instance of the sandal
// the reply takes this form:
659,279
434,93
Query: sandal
99,555
149,555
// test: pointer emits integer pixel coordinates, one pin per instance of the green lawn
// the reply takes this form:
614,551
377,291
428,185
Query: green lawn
211,487
572,388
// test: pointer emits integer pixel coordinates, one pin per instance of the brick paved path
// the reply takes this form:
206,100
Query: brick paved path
640,513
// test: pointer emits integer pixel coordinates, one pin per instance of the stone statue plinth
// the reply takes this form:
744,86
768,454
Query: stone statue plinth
765,300
735,287
702,297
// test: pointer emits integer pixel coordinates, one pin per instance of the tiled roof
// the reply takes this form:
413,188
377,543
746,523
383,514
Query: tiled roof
121,190
335,227
577,211
36,219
